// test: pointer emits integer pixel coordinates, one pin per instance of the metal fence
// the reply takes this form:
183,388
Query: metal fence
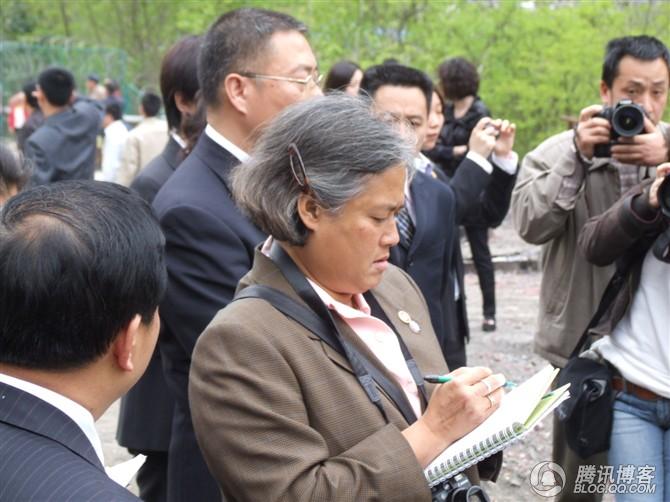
21,62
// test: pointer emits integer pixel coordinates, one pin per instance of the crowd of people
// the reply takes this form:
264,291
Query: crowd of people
302,241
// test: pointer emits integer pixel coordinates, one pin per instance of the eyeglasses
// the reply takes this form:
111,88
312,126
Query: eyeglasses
313,79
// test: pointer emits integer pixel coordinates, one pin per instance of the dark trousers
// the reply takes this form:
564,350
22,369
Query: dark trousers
189,479
570,462
478,237
152,476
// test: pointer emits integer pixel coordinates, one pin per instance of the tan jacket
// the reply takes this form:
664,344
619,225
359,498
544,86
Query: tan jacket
551,202
145,142
280,416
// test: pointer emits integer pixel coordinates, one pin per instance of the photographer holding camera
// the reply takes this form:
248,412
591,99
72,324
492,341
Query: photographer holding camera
636,326
563,183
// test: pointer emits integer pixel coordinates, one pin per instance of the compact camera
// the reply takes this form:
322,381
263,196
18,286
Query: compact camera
458,489
626,120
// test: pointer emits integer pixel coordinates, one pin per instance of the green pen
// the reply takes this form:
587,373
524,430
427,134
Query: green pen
447,379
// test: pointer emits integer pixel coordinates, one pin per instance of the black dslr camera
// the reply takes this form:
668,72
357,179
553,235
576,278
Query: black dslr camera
458,489
626,120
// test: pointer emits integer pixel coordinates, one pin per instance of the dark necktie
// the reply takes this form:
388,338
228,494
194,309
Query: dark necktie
405,227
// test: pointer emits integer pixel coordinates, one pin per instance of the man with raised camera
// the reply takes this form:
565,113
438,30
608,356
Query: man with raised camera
563,183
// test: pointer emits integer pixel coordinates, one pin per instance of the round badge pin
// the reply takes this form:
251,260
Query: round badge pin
404,317
414,327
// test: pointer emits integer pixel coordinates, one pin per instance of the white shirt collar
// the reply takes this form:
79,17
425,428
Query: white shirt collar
77,413
421,163
178,139
226,144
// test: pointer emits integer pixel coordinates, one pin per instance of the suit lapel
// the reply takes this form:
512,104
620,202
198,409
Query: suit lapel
25,411
172,152
219,160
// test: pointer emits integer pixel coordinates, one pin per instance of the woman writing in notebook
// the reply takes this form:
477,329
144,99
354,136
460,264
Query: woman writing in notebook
283,412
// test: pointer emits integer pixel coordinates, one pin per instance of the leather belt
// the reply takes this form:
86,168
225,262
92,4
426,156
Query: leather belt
619,383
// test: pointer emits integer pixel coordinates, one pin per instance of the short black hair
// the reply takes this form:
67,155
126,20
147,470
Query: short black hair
114,111
458,78
179,73
57,85
78,261
236,41
13,171
111,86
151,103
397,75
340,75
28,89
642,47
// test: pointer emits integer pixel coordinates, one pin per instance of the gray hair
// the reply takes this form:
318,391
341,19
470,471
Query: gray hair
342,144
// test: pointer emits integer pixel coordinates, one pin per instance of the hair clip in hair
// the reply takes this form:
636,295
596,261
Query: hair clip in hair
301,178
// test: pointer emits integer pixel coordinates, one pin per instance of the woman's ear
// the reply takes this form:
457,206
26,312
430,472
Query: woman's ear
185,107
309,211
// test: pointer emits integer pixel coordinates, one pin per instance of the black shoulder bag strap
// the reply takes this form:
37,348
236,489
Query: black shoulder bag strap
318,319
611,290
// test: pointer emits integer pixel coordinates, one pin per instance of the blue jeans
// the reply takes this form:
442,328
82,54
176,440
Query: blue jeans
641,437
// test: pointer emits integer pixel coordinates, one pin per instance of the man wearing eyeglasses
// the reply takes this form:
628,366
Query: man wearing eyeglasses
253,63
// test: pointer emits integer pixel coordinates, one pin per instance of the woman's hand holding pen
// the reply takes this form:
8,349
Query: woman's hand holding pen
455,409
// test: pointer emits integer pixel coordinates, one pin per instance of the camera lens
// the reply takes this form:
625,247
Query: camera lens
628,120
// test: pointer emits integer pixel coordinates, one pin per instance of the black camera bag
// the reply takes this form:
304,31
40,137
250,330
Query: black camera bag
587,414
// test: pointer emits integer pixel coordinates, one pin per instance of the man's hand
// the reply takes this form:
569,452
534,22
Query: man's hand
505,142
591,130
661,172
483,136
647,149
460,150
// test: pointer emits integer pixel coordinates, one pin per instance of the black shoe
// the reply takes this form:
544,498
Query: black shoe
489,324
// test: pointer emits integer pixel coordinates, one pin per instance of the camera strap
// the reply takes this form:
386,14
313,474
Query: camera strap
317,318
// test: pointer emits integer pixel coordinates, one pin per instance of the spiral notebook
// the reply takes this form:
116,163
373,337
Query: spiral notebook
520,410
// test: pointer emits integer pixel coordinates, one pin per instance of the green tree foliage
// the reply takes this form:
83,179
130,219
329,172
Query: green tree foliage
539,62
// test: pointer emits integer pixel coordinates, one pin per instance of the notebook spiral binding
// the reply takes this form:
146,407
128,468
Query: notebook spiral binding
477,453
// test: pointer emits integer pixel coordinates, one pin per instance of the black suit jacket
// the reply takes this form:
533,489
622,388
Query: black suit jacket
210,246
438,212
429,260
145,416
45,456
481,199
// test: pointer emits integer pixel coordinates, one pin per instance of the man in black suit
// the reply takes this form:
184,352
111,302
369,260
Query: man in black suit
429,248
63,147
145,417
253,63
82,273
